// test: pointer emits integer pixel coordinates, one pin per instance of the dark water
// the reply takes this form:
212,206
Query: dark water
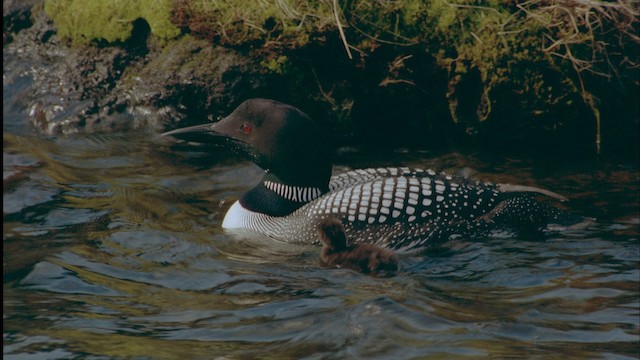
112,248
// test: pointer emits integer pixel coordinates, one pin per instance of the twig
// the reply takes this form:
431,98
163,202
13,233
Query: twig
476,37
376,39
325,95
472,7
342,36
388,81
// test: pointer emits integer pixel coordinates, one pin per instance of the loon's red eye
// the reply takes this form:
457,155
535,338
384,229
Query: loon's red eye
245,128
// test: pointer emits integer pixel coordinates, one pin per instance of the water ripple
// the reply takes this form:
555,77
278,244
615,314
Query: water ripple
113,249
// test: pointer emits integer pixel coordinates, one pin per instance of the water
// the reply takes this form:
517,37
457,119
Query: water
112,248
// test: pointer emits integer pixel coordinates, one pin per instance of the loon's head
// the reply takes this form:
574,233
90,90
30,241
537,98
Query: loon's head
278,137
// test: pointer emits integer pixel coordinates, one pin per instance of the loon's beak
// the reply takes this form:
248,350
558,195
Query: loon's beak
203,133
214,134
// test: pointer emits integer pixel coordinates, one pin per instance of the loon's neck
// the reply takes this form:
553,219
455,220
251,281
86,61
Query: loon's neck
275,198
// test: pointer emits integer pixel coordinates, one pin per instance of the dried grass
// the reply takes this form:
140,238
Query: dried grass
593,36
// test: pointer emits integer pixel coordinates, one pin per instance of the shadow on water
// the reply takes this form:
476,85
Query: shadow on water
113,248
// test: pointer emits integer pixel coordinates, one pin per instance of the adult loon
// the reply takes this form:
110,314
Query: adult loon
399,208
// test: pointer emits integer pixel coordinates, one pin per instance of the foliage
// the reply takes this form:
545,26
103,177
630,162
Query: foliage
550,58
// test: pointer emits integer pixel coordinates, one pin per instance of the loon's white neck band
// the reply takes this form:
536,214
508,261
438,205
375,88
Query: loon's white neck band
294,193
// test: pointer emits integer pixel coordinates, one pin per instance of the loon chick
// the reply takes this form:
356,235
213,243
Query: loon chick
366,258
398,208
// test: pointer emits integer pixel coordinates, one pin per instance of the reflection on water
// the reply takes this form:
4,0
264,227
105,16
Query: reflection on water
113,248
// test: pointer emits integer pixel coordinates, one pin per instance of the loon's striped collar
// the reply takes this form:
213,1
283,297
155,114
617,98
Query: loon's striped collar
293,193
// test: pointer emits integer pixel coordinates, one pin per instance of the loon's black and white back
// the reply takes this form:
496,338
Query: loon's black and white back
399,208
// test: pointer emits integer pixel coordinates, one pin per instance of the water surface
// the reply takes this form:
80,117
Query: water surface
113,249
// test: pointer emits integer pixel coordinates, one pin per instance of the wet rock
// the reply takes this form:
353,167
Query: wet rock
173,83
104,87
16,15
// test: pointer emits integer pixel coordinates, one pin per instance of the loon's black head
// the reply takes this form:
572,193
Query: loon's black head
278,137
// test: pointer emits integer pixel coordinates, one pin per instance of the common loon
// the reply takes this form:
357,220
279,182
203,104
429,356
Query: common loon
399,208
338,252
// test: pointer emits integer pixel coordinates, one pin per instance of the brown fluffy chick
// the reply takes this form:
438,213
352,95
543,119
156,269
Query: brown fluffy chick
338,253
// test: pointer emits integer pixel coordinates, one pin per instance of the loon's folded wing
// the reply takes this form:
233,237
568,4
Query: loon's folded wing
395,207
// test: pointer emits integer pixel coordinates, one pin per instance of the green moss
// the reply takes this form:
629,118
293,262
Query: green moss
85,20
278,65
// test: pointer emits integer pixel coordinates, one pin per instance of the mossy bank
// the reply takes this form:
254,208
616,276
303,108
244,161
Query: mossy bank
555,74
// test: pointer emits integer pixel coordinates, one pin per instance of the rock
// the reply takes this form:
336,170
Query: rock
105,87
